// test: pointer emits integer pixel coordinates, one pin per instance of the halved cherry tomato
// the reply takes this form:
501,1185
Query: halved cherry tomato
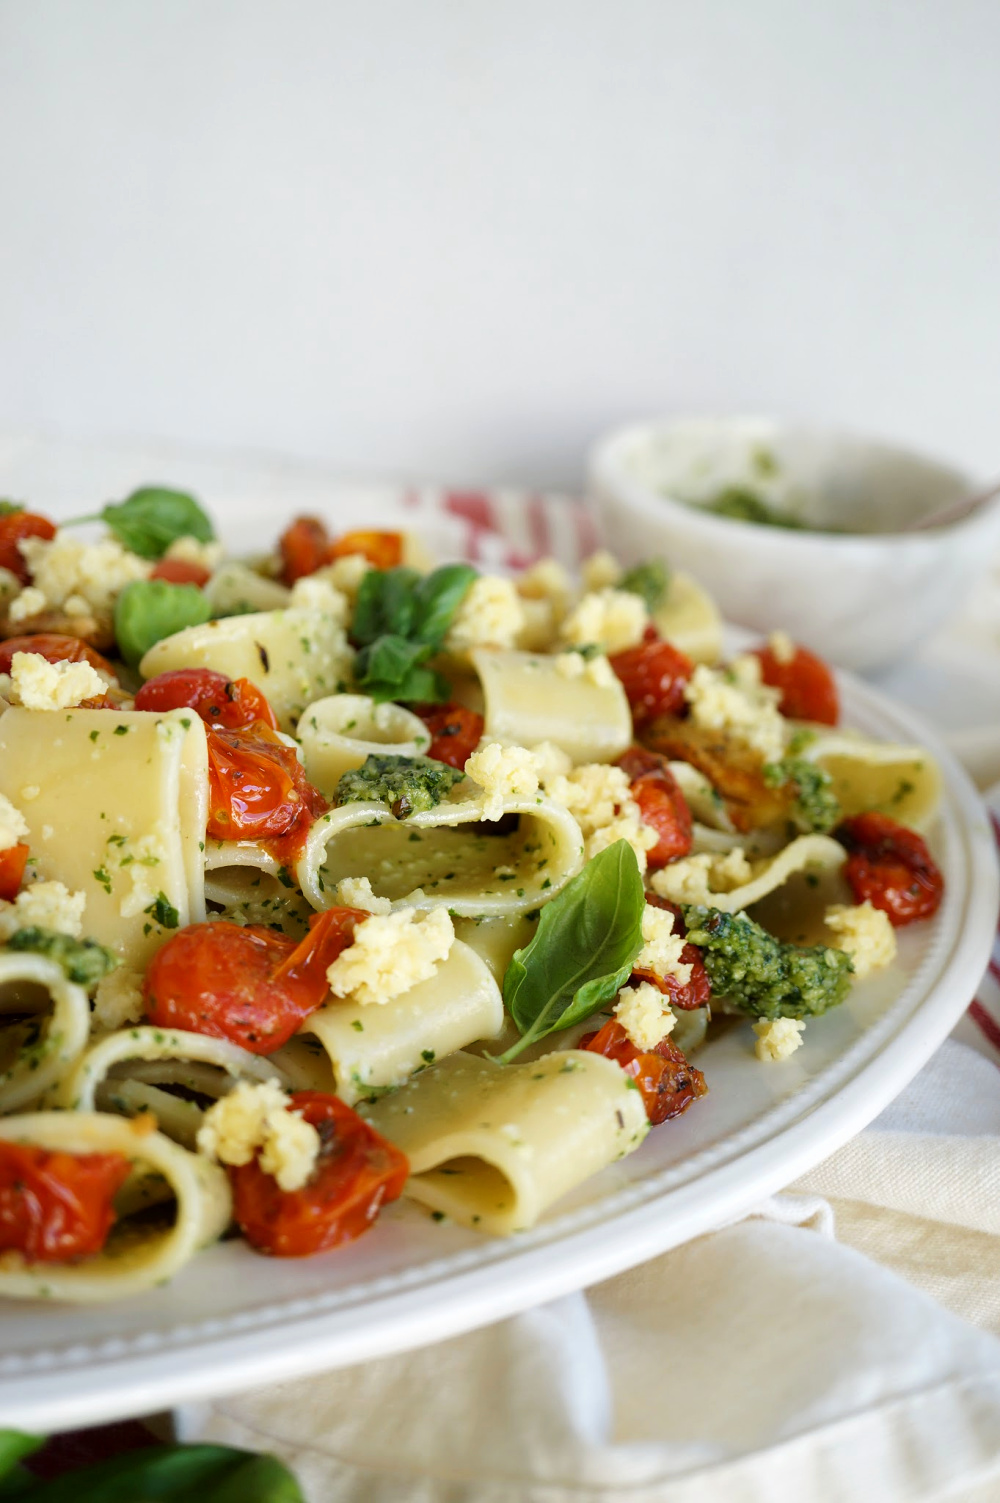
306,967
667,1082
57,1206
808,688
181,571
258,790
698,991
662,805
304,547
15,526
54,648
233,703
12,864
455,732
357,1173
890,867
219,979
653,676
383,549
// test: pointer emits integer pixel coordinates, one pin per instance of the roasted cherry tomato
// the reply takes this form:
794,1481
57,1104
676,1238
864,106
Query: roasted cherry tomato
661,803
667,1082
12,864
455,732
698,991
890,866
383,549
233,703
57,1206
808,689
304,547
306,967
181,571
54,648
258,791
357,1173
653,676
15,526
219,979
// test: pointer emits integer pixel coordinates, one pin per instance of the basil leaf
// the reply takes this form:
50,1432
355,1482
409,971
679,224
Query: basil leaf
392,669
152,518
147,610
175,1474
583,949
437,598
650,581
385,604
14,1444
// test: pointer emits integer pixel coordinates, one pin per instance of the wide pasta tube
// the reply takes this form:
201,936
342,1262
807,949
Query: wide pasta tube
139,1256
373,1047
53,1016
116,804
341,731
294,656
730,882
529,699
904,781
448,856
493,1146
200,1064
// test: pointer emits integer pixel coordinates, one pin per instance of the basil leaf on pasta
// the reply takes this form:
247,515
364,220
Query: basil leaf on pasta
385,605
147,610
393,669
152,518
583,950
436,599
400,620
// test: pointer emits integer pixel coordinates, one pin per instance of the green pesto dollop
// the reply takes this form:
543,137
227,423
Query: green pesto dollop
409,785
762,975
83,960
816,806
650,581
744,505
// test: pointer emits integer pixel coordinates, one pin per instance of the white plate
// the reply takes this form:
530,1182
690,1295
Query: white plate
235,1320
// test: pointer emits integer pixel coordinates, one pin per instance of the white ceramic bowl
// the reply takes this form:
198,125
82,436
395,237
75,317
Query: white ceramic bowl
862,598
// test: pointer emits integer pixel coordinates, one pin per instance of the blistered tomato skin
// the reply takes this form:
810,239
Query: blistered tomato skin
662,805
357,1172
218,700
654,675
384,550
455,732
304,546
329,934
219,979
12,864
808,688
697,992
258,791
181,571
15,526
667,1082
56,1207
889,866
54,648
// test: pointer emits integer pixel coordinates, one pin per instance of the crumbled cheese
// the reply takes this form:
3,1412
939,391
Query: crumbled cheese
13,826
601,571
778,1039
31,602
192,550
610,619
490,615
782,647
40,685
865,932
45,905
598,797
546,580
696,879
550,761
90,575
644,1014
596,670
312,594
256,1117
345,574
734,700
356,892
661,948
390,954
502,772
118,1000
141,858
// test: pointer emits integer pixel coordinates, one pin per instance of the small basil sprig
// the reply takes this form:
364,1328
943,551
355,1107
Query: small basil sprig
583,950
152,518
400,622
650,581
172,1474
147,610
